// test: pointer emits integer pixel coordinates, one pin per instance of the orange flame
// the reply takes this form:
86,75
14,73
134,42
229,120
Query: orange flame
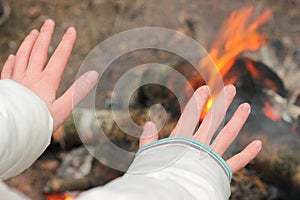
59,197
238,34
270,113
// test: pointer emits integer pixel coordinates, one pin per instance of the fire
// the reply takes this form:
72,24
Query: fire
238,34
270,113
260,76
65,196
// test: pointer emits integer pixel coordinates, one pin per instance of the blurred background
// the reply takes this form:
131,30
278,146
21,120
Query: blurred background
276,173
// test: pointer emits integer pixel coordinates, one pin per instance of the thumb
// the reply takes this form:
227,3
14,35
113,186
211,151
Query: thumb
64,105
150,134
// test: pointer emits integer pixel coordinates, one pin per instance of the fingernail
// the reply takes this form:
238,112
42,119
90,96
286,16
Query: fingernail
245,107
11,56
150,130
148,124
230,89
204,88
33,31
48,22
70,30
258,144
91,77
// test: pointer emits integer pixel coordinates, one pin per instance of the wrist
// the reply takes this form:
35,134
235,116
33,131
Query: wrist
187,143
185,165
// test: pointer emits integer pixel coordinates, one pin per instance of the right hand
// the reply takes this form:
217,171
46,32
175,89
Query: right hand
190,117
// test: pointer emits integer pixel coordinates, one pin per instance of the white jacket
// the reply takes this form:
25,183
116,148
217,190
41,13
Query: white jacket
173,168
25,131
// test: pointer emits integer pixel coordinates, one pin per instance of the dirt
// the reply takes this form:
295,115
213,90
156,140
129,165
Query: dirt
96,20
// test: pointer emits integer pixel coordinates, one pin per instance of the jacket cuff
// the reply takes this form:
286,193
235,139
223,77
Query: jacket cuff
194,167
185,142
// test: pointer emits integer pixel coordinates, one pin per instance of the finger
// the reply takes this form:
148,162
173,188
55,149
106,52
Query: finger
149,135
62,107
231,130
215,115
39,54
190,117
60,57
8,66
241,159
23,55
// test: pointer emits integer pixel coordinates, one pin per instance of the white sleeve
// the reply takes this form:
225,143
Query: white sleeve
172,168
25,128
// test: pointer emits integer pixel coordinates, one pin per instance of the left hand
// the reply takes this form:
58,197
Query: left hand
30,68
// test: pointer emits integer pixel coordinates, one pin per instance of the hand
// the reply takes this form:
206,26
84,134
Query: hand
190,118
30,68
